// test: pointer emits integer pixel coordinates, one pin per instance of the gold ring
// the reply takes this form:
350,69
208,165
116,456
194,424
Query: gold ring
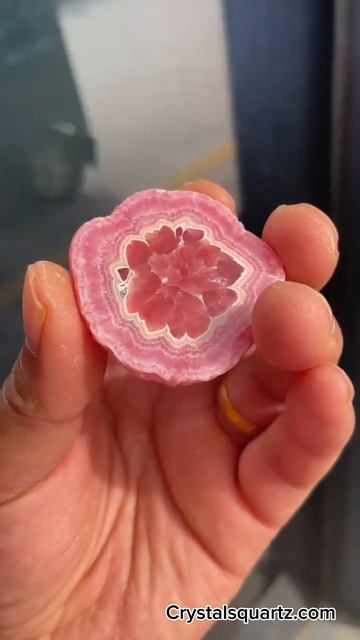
246,429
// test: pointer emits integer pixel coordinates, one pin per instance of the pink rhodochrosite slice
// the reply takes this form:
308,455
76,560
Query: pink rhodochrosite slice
168,282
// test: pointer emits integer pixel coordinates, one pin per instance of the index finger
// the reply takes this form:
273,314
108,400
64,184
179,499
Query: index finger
306,240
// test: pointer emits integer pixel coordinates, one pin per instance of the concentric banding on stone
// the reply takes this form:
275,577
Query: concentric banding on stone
120,285
98,252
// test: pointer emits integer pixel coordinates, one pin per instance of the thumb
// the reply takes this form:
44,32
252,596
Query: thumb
56,374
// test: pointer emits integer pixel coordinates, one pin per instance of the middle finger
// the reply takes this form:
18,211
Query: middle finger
293,330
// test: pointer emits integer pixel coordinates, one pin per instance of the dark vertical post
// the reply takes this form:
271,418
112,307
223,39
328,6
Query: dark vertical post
341,560
281,65
280,57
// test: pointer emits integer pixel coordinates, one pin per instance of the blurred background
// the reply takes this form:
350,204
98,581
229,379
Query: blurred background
102,98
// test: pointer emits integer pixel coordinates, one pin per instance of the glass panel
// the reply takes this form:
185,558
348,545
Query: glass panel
99,100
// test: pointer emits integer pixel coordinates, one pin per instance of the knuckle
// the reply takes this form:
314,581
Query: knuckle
17,395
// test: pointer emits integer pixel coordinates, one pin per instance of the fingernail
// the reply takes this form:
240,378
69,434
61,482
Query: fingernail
333,327
34,312
190,183
331,234
347,385
333,243
332,321
333,336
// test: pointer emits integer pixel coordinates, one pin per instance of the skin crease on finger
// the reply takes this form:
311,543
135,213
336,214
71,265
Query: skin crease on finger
146,508
286,311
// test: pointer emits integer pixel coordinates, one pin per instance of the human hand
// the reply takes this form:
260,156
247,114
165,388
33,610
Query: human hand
119,496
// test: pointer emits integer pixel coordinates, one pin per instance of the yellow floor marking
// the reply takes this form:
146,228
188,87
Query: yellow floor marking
204,166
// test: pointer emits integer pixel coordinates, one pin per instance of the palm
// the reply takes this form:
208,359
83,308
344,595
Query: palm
152,476
153,502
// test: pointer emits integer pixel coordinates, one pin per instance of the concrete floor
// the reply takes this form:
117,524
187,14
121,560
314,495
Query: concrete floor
328,631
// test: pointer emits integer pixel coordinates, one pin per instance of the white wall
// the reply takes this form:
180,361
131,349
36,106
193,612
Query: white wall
154,82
